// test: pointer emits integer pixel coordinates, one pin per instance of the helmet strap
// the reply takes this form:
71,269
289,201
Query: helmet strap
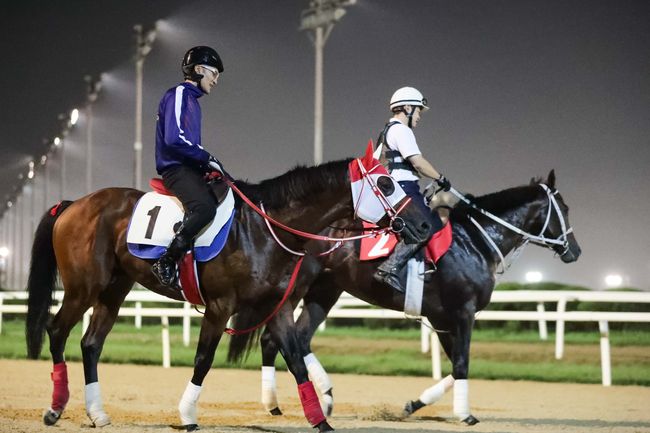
410,116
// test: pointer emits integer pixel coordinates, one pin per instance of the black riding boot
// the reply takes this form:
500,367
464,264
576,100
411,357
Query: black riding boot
388,272
165,268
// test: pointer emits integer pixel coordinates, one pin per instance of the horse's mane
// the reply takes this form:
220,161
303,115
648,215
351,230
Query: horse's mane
297,184
497,202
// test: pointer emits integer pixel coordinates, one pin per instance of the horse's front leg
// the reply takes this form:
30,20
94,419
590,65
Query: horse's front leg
283,331
462,335
212,327
320,299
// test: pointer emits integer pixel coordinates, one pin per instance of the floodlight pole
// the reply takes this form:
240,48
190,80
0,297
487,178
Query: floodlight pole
93,86
320,18
144,42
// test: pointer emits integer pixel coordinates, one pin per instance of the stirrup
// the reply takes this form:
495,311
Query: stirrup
158,269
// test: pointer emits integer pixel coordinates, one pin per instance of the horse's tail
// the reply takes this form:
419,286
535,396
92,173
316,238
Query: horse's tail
42,276
241,344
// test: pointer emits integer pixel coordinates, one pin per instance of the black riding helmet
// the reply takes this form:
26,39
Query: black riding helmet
200,55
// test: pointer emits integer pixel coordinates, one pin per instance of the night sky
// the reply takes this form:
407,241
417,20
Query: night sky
516,88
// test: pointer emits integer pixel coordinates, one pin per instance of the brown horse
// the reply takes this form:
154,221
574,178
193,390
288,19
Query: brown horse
86,241
460,287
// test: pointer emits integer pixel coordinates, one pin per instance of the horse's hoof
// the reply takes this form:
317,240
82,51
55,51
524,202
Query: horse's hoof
323,426
411,407
50,417
470,420
191,427
101,420
276,411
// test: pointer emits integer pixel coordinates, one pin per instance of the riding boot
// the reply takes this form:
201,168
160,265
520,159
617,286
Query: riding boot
388,272
165,268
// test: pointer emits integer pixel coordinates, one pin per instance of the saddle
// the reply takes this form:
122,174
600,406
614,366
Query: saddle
153,223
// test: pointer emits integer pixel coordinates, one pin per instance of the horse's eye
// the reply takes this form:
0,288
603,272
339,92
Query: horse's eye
385,185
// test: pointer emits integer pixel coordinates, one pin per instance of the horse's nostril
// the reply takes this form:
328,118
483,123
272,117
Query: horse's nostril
425,226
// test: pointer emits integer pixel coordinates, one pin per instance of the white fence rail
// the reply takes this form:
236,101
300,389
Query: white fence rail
350,307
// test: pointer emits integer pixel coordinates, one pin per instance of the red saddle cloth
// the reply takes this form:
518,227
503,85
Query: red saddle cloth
157,185
382,246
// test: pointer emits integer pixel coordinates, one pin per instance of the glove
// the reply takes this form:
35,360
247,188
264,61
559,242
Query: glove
443,183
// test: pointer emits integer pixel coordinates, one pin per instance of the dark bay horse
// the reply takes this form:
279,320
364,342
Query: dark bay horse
460,287
86,241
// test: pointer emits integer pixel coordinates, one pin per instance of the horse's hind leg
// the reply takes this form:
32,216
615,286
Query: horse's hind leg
269,388
104,315
58,330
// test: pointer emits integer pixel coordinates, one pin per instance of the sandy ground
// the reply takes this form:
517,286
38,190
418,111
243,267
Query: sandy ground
144,399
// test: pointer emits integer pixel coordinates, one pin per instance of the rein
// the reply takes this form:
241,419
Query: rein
287,293
528,237
268,220
300,233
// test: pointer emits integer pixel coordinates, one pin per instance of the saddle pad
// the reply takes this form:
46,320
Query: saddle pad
154,220
382,246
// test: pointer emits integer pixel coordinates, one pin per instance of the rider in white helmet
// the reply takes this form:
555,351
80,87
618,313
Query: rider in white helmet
398,150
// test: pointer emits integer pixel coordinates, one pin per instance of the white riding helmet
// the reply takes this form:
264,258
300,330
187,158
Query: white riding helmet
408,96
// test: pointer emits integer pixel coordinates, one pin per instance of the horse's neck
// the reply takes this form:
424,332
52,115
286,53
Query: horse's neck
524,217
315,214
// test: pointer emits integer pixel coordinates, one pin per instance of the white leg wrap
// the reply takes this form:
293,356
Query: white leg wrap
94,405
322,381
317,373
187,405
433,394
269,389
461,399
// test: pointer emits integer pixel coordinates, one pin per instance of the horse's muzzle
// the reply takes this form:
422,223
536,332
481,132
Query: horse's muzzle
416,233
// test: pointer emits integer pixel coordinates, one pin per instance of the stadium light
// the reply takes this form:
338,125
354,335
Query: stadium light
4,252
74,117
320,18
533,277
613,280
57,141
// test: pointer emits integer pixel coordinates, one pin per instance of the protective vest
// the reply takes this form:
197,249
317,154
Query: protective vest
392,159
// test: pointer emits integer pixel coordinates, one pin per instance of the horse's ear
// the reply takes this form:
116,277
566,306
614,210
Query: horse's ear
533,181
550,182
368,157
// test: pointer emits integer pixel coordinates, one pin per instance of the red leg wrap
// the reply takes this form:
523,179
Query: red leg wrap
60,394
310,404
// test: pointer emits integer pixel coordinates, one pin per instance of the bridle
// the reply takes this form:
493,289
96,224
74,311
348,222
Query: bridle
540,239
396,222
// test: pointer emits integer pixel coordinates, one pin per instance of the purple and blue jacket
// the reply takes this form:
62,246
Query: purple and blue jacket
178,129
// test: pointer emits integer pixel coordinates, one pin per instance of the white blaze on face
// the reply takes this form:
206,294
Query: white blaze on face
368,205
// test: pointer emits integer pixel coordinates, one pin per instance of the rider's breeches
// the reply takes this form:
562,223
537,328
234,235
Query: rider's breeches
195,194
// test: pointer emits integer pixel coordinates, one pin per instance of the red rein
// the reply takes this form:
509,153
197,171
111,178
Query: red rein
287,293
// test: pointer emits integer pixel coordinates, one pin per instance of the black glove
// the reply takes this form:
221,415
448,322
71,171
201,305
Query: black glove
443,183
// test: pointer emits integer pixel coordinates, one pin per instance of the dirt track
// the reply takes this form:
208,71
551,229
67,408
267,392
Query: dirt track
144,399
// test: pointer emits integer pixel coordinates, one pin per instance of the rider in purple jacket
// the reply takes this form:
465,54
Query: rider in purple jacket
181,160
